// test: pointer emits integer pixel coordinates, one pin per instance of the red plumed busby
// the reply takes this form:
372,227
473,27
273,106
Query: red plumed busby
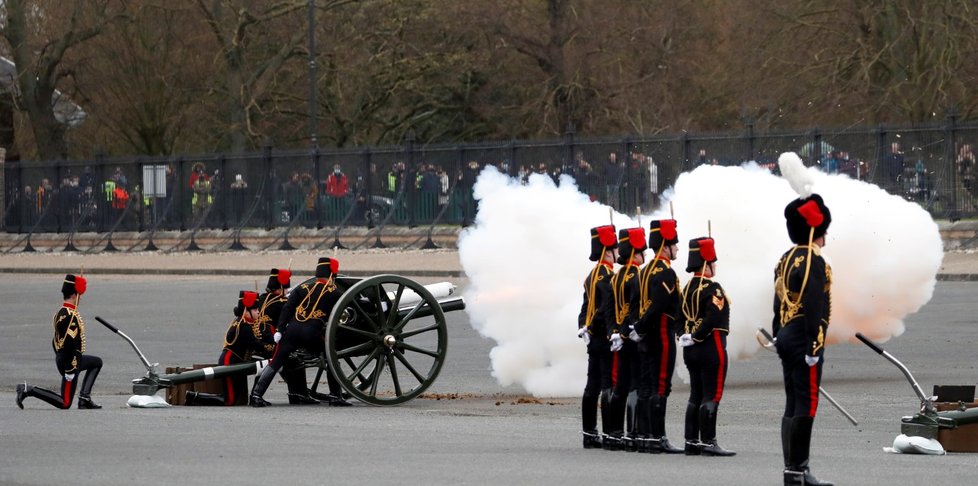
602,239
73,284
630,241
662,233
327,267
701,251
279,279
803,214
246,300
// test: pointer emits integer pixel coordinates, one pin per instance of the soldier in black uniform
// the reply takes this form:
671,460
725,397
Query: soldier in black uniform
706,310
244,337
655,331
625,293
69,354
597,311
802,304
302,323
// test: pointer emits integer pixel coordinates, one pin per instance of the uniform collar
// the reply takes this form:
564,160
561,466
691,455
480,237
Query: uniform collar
610,266
69,305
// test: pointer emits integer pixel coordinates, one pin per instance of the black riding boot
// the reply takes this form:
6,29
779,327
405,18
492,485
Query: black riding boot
611,439
797,472
25,390
642,430
85,393
592,439
660,443
295,381
204,399
708,431
258,391
786,439
692,432
335,397
631,421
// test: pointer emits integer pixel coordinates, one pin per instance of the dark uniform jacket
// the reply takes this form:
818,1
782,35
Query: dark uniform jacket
246,338
69,337
660,296
625,286
309,304
598,309
270,310
706,308
802,296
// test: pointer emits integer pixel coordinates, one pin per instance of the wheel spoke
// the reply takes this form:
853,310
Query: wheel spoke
371,335
379,369
397,384
352,350
367,317
407,317
404,361
415,332
363,365
394,304
363,379
416,349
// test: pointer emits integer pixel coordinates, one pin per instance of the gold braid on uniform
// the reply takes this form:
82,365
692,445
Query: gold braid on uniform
592,288
73,317
618,290
646,302
302,311
691,308
789,307
262,317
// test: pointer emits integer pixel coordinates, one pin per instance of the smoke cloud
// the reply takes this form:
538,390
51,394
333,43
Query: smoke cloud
526,259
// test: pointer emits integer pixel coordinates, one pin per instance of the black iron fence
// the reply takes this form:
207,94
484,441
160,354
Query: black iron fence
432,184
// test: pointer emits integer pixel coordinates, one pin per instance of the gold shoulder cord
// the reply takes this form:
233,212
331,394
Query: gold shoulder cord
691,308
59,341
236,324
302,311
789,308
646,277
592,288
618,288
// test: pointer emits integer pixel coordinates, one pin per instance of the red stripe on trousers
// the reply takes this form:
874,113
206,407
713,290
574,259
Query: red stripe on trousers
723,363
229,398
813,390
614,369
664,362
68,394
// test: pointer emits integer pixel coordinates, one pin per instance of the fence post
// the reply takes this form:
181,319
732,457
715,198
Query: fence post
626,161
569,144
750,138
368,189
879,170
101,209
225,190
950,140
513,168
270,189
816,146
316,205
410,178
684,145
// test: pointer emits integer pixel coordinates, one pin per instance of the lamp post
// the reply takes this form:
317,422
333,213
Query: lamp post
311,10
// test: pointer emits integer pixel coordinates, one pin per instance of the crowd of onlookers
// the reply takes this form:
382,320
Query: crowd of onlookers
429,192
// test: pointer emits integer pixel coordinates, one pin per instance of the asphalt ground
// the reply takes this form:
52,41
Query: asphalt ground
469,431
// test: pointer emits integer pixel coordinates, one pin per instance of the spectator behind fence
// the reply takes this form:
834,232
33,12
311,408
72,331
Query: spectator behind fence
893,168
196,172
337,184
202,194
831,163
444,185
966,169
612,179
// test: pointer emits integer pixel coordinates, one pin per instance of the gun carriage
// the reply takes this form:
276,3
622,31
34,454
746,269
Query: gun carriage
385,342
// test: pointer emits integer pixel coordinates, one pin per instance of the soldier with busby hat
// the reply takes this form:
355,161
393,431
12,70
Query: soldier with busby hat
655,331
802,305
625,295
706,310
597,312
69,353
302,323
244,338
270,305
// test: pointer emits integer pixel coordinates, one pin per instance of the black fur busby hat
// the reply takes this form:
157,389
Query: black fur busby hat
602,239
803,214
662,233
701,252
73,284
630,241
327,267
279,279
246,300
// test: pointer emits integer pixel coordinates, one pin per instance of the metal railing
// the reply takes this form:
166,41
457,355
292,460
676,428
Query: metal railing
418,185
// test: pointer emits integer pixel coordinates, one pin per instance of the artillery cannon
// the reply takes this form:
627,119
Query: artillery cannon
386,341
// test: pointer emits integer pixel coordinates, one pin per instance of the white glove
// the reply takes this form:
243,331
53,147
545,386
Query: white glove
686,340
583,334
811,360
616,342
633,335
277,337
69,376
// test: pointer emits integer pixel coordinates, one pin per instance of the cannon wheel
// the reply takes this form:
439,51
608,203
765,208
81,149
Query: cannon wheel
396,357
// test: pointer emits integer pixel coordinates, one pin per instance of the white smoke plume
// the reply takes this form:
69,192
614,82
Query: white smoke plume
526,259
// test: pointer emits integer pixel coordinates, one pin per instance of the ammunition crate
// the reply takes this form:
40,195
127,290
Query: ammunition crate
177,395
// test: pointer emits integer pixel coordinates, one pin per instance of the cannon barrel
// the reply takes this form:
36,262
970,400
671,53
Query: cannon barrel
447,305
149,385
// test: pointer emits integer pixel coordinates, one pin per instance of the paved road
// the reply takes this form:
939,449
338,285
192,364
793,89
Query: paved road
487,435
